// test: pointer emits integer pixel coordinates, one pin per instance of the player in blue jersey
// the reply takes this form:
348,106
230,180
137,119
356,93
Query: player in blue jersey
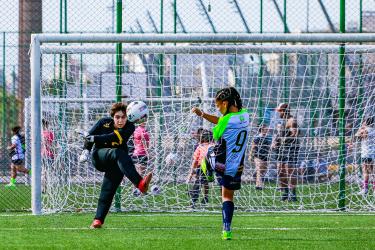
17,154
226,158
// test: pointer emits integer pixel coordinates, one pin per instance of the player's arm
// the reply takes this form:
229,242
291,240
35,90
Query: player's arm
144,137
88,142
211,118
13,145
253,145
119,135
194,164
293,127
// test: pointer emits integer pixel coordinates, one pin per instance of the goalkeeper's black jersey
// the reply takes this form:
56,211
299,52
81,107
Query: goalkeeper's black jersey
106,136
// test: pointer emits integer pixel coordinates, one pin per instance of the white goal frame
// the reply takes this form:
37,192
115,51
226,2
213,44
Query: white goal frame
203,39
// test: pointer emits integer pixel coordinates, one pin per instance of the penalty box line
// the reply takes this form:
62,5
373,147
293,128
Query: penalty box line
189,228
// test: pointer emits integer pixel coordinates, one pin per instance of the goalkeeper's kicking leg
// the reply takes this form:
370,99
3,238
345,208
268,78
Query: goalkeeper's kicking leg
115,163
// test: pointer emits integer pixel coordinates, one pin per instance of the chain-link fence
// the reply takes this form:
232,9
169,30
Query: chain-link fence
18,19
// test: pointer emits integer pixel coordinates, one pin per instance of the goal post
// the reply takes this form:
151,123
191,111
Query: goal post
205,63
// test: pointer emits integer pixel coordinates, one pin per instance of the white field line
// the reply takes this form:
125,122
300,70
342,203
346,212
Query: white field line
189,228
250,214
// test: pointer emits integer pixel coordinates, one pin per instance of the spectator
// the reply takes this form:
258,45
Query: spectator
141,139
366,133
286,144
200,153
47,152
260,152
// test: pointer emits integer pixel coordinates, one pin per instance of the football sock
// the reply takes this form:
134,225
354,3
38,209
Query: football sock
13,180
294,191
228,208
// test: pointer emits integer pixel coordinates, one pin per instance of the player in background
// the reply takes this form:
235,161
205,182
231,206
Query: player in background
17,154
226,158
47,152
141,140
286,144
196,136
260,150
205,141
366,134
107,140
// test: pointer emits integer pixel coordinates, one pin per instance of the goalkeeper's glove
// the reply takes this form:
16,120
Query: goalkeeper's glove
86,136
90,138
85,156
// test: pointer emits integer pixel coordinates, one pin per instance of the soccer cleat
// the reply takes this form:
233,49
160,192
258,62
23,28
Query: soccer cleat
96,224
363,192
227,235
136,192
10,186
145,182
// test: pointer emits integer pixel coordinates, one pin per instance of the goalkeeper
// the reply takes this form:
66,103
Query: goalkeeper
107,141
226,158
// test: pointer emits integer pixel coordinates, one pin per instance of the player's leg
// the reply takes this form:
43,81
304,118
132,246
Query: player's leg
13,176
227,212
261,167
292,176
283,180
372,175
127,167
229,184
365,173
206,188
140,163
111,181
195,190
21,168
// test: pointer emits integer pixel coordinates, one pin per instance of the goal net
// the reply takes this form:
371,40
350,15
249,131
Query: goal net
78,86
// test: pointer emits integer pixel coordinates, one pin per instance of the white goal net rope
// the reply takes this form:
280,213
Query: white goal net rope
78,89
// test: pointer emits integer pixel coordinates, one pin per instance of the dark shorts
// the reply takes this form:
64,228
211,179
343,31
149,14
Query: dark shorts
367,160
288,159
18,162
140,159
201,178
229,182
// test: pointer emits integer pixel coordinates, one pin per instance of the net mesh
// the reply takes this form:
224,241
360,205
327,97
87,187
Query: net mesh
78,89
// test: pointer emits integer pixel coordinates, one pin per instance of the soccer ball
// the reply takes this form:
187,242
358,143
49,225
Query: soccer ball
155,190
171,159
137,111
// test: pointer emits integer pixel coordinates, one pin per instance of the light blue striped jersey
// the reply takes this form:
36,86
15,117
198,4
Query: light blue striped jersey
232,132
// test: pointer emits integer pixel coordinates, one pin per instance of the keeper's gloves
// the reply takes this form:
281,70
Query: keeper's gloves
85,156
